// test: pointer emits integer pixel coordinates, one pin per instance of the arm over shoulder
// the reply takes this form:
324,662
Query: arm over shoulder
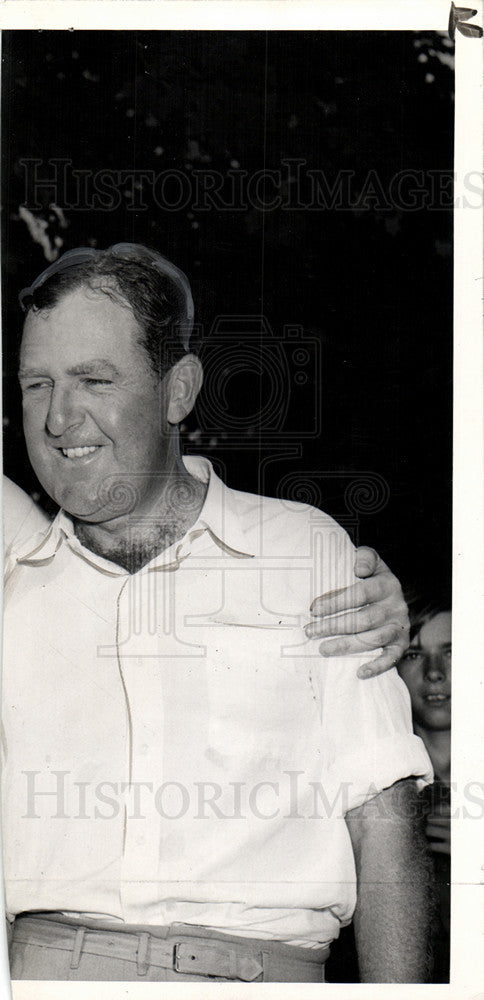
21,515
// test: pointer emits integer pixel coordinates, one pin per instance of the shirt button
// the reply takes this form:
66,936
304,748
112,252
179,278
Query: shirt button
144,748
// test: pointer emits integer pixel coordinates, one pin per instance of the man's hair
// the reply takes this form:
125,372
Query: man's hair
157,292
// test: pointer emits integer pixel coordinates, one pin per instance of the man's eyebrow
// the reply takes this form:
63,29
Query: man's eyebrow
96,366
29,372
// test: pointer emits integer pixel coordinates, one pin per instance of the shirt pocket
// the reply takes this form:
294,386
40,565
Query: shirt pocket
260,700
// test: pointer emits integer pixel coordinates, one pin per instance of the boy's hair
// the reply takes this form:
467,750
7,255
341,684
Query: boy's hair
422,608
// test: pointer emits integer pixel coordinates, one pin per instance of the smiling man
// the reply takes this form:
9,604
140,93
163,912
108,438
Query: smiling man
99,421
186,789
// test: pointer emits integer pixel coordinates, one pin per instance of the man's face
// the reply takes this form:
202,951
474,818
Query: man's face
94,413
426,670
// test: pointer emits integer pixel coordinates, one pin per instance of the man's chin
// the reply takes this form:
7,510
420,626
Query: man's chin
94,510
113,496
85,510
82,506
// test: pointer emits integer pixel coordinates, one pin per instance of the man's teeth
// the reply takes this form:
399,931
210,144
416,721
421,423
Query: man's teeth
436,697
79,452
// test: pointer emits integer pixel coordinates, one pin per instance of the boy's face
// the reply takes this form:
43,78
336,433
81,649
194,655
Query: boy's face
426,670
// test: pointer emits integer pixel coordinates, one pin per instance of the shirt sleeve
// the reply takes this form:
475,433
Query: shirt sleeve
367,739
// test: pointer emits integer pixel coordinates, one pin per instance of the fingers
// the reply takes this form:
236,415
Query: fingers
439,847
435,822
360,621
366,561
437,828
387,659
333,601
441,812
354,596
364,643
367,615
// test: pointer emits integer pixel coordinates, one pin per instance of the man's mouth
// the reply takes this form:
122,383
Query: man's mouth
79,452
436,698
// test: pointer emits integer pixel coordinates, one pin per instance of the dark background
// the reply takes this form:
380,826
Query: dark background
360,421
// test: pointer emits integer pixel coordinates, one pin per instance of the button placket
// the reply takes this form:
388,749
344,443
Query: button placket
140,666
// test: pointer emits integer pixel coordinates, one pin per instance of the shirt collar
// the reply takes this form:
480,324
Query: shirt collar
219,512
218,516
44,544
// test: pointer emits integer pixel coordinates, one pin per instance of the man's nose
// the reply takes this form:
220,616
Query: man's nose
64,411
435,667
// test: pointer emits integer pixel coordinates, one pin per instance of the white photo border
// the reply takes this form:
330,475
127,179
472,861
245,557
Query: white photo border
467,968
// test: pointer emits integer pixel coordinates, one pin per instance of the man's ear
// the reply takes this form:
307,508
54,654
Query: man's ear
185,382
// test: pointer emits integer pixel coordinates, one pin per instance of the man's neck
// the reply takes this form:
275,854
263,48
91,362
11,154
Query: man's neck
437,742
133,541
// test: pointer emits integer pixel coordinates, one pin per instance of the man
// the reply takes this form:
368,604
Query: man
186,790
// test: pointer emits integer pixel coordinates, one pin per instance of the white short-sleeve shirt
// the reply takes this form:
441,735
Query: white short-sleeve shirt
175,748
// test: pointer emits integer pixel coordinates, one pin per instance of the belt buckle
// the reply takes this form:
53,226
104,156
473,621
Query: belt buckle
184,954
175,959
179,965
214,960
